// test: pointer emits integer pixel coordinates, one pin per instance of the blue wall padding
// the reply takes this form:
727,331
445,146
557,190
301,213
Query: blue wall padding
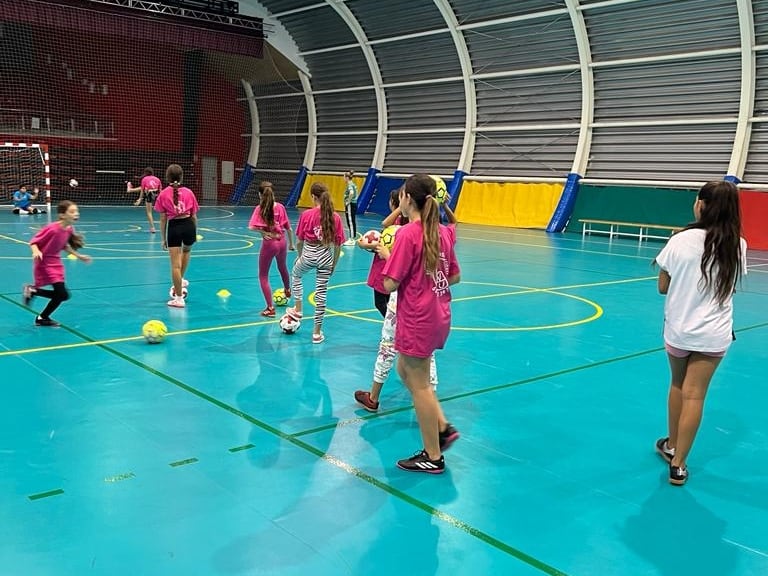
565,207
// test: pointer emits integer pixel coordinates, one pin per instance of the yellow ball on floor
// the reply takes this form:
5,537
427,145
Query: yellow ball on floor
154,331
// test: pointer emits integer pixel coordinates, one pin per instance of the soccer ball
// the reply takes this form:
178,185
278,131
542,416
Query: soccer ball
172,292
388,236
441,190
289,324
74,183
279,297
154,331
371,237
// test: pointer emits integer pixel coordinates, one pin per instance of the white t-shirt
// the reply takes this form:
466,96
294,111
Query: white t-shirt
693,319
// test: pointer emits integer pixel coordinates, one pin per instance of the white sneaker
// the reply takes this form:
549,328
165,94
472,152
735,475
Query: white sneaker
349,243
184,282
177,303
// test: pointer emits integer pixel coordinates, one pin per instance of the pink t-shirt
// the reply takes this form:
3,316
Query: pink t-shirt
309,228
50,240
187,205
424,302
151,183
375,276
282,222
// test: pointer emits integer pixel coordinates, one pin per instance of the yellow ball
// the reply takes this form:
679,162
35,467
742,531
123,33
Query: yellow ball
279,297
154,331
388,236
441,190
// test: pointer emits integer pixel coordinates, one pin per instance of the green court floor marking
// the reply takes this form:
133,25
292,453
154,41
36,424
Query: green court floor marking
119,477
241,448
508,385
46,494
292,439
183,462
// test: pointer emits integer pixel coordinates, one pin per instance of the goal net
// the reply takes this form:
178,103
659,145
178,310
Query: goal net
113,88
23,164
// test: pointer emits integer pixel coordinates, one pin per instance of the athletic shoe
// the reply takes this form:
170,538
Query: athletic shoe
678,475
318,338
448,437
268,312
293,314
177,302
662,447
363,397
27,293
40,321
420,462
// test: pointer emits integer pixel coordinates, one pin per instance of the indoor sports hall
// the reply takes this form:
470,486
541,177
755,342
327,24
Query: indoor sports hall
572,137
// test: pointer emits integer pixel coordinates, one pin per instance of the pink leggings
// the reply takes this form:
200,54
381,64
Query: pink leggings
271,249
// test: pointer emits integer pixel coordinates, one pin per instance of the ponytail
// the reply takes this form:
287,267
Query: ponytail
267,204
76,241
422,190
327,222
175,175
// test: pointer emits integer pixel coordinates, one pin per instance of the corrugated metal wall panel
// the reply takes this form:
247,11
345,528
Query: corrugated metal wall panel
429,153
534,99
281,152
469,11
671,90
760,17
277,6
286,115
346,111
520,45
271,88
757,162
544,153
430,106
761,85
395,17
656,27
700,152
340,153
318,28
282,183
339,69
418,59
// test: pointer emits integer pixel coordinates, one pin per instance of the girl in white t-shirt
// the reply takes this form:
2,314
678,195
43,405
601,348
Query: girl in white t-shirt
700,267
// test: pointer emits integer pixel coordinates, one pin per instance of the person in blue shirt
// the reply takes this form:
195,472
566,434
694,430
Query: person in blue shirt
22,201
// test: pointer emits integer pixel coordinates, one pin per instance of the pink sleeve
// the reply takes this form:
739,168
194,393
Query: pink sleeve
301,227
285,222
402,256
195,206
256,221
340,237
42,237
161,203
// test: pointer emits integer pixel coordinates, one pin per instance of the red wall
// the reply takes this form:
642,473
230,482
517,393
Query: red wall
754,218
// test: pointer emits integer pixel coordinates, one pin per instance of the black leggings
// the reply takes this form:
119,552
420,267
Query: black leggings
351,213
380,300
58,295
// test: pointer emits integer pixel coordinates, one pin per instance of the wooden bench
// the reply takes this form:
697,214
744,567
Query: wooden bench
615,229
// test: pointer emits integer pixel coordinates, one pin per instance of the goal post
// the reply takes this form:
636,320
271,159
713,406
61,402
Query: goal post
25,164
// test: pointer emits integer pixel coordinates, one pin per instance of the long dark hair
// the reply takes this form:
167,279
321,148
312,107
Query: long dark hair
720,216
327,223
422,189
76,241
267,203
174,175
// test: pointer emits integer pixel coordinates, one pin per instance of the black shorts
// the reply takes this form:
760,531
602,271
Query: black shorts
181,232
150,196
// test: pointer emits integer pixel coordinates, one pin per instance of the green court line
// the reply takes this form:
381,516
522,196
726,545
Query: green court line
120,477
183,462
503,386
392,491
46,494
241,448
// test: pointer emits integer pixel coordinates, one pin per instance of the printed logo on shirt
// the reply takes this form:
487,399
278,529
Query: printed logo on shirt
440,279
318,232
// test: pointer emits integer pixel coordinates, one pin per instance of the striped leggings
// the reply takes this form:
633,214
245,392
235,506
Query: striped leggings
320,258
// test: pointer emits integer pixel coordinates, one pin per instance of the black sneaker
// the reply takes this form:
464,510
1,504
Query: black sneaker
46,322
420,462
662,447
27,293
448,437
678,475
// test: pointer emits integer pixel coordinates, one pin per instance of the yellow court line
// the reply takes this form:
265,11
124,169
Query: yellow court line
130,338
